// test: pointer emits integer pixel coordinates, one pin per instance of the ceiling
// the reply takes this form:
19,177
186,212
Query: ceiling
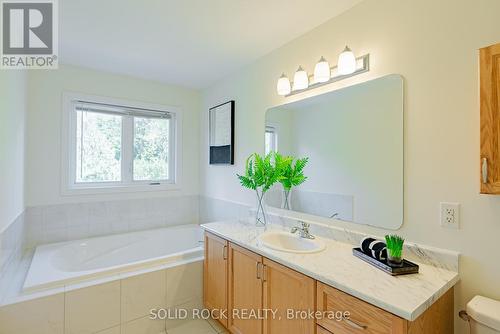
190,43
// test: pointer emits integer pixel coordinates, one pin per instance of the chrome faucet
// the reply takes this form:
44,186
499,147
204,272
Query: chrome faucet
303,230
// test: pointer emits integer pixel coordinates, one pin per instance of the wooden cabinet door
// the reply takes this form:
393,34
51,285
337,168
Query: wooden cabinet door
321,330
490,119
245,291
286,289
215,275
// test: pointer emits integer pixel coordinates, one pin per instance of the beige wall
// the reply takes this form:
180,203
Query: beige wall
433,45
45,89
12,133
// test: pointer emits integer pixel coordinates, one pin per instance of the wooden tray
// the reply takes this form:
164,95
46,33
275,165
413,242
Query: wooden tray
407,267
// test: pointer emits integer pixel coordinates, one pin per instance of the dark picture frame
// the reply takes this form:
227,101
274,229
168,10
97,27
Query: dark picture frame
221,134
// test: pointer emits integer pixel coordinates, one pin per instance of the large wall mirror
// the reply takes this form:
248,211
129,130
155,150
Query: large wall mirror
353,138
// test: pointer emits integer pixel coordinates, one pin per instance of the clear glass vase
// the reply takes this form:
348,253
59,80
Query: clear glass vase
394,261
261,214
286,199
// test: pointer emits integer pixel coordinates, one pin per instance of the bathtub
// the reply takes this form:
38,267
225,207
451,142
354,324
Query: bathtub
66,263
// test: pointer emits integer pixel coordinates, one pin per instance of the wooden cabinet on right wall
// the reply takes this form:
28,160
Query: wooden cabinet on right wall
489,59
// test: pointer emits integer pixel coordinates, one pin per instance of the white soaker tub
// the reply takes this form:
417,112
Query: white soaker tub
60,264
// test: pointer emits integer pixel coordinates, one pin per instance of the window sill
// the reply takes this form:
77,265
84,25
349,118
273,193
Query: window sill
114,189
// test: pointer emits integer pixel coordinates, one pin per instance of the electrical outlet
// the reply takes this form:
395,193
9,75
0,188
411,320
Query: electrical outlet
450,215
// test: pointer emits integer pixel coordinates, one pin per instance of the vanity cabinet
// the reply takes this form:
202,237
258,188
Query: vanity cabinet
285,289
321,330
490,118
215,275
241,281
245,290
253,284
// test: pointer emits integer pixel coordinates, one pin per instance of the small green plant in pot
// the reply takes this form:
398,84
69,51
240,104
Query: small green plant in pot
394,249
260,175
293,176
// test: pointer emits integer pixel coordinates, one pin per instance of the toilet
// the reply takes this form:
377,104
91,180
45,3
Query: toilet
483,315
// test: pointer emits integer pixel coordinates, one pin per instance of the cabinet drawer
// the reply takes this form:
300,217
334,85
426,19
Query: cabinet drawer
363,317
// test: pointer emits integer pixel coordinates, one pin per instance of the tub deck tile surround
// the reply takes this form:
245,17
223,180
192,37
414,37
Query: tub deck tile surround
14,292
119,306
142,293
405,296
186,281
39,316
92,309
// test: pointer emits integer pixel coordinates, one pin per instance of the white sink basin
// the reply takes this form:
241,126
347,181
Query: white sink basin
288,242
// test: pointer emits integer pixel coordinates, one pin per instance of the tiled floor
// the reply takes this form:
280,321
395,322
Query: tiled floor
197,326
218,327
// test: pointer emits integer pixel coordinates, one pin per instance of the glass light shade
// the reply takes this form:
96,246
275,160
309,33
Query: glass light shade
347,62
300,79
322,71
283,87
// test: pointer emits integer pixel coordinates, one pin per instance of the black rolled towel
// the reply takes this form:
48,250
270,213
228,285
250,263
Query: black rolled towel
374,248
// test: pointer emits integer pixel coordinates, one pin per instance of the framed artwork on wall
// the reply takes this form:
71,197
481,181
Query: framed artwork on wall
221,134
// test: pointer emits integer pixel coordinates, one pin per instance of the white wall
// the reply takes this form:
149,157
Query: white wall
433,45
12,134
45,89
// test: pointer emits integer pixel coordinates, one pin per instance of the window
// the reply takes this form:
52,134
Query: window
151,149
98,147
271,139
112,145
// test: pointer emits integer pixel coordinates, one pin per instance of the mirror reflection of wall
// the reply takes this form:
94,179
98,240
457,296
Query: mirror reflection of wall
354,140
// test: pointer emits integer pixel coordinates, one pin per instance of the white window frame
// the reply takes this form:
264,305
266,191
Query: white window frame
69,186
272,128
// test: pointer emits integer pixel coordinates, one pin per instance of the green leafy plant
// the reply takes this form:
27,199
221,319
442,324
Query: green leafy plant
394,245
293,173
261,173
293,176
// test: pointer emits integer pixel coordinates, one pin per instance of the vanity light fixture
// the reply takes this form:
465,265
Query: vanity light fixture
347,62
300,79
348,65
322,71
283,87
